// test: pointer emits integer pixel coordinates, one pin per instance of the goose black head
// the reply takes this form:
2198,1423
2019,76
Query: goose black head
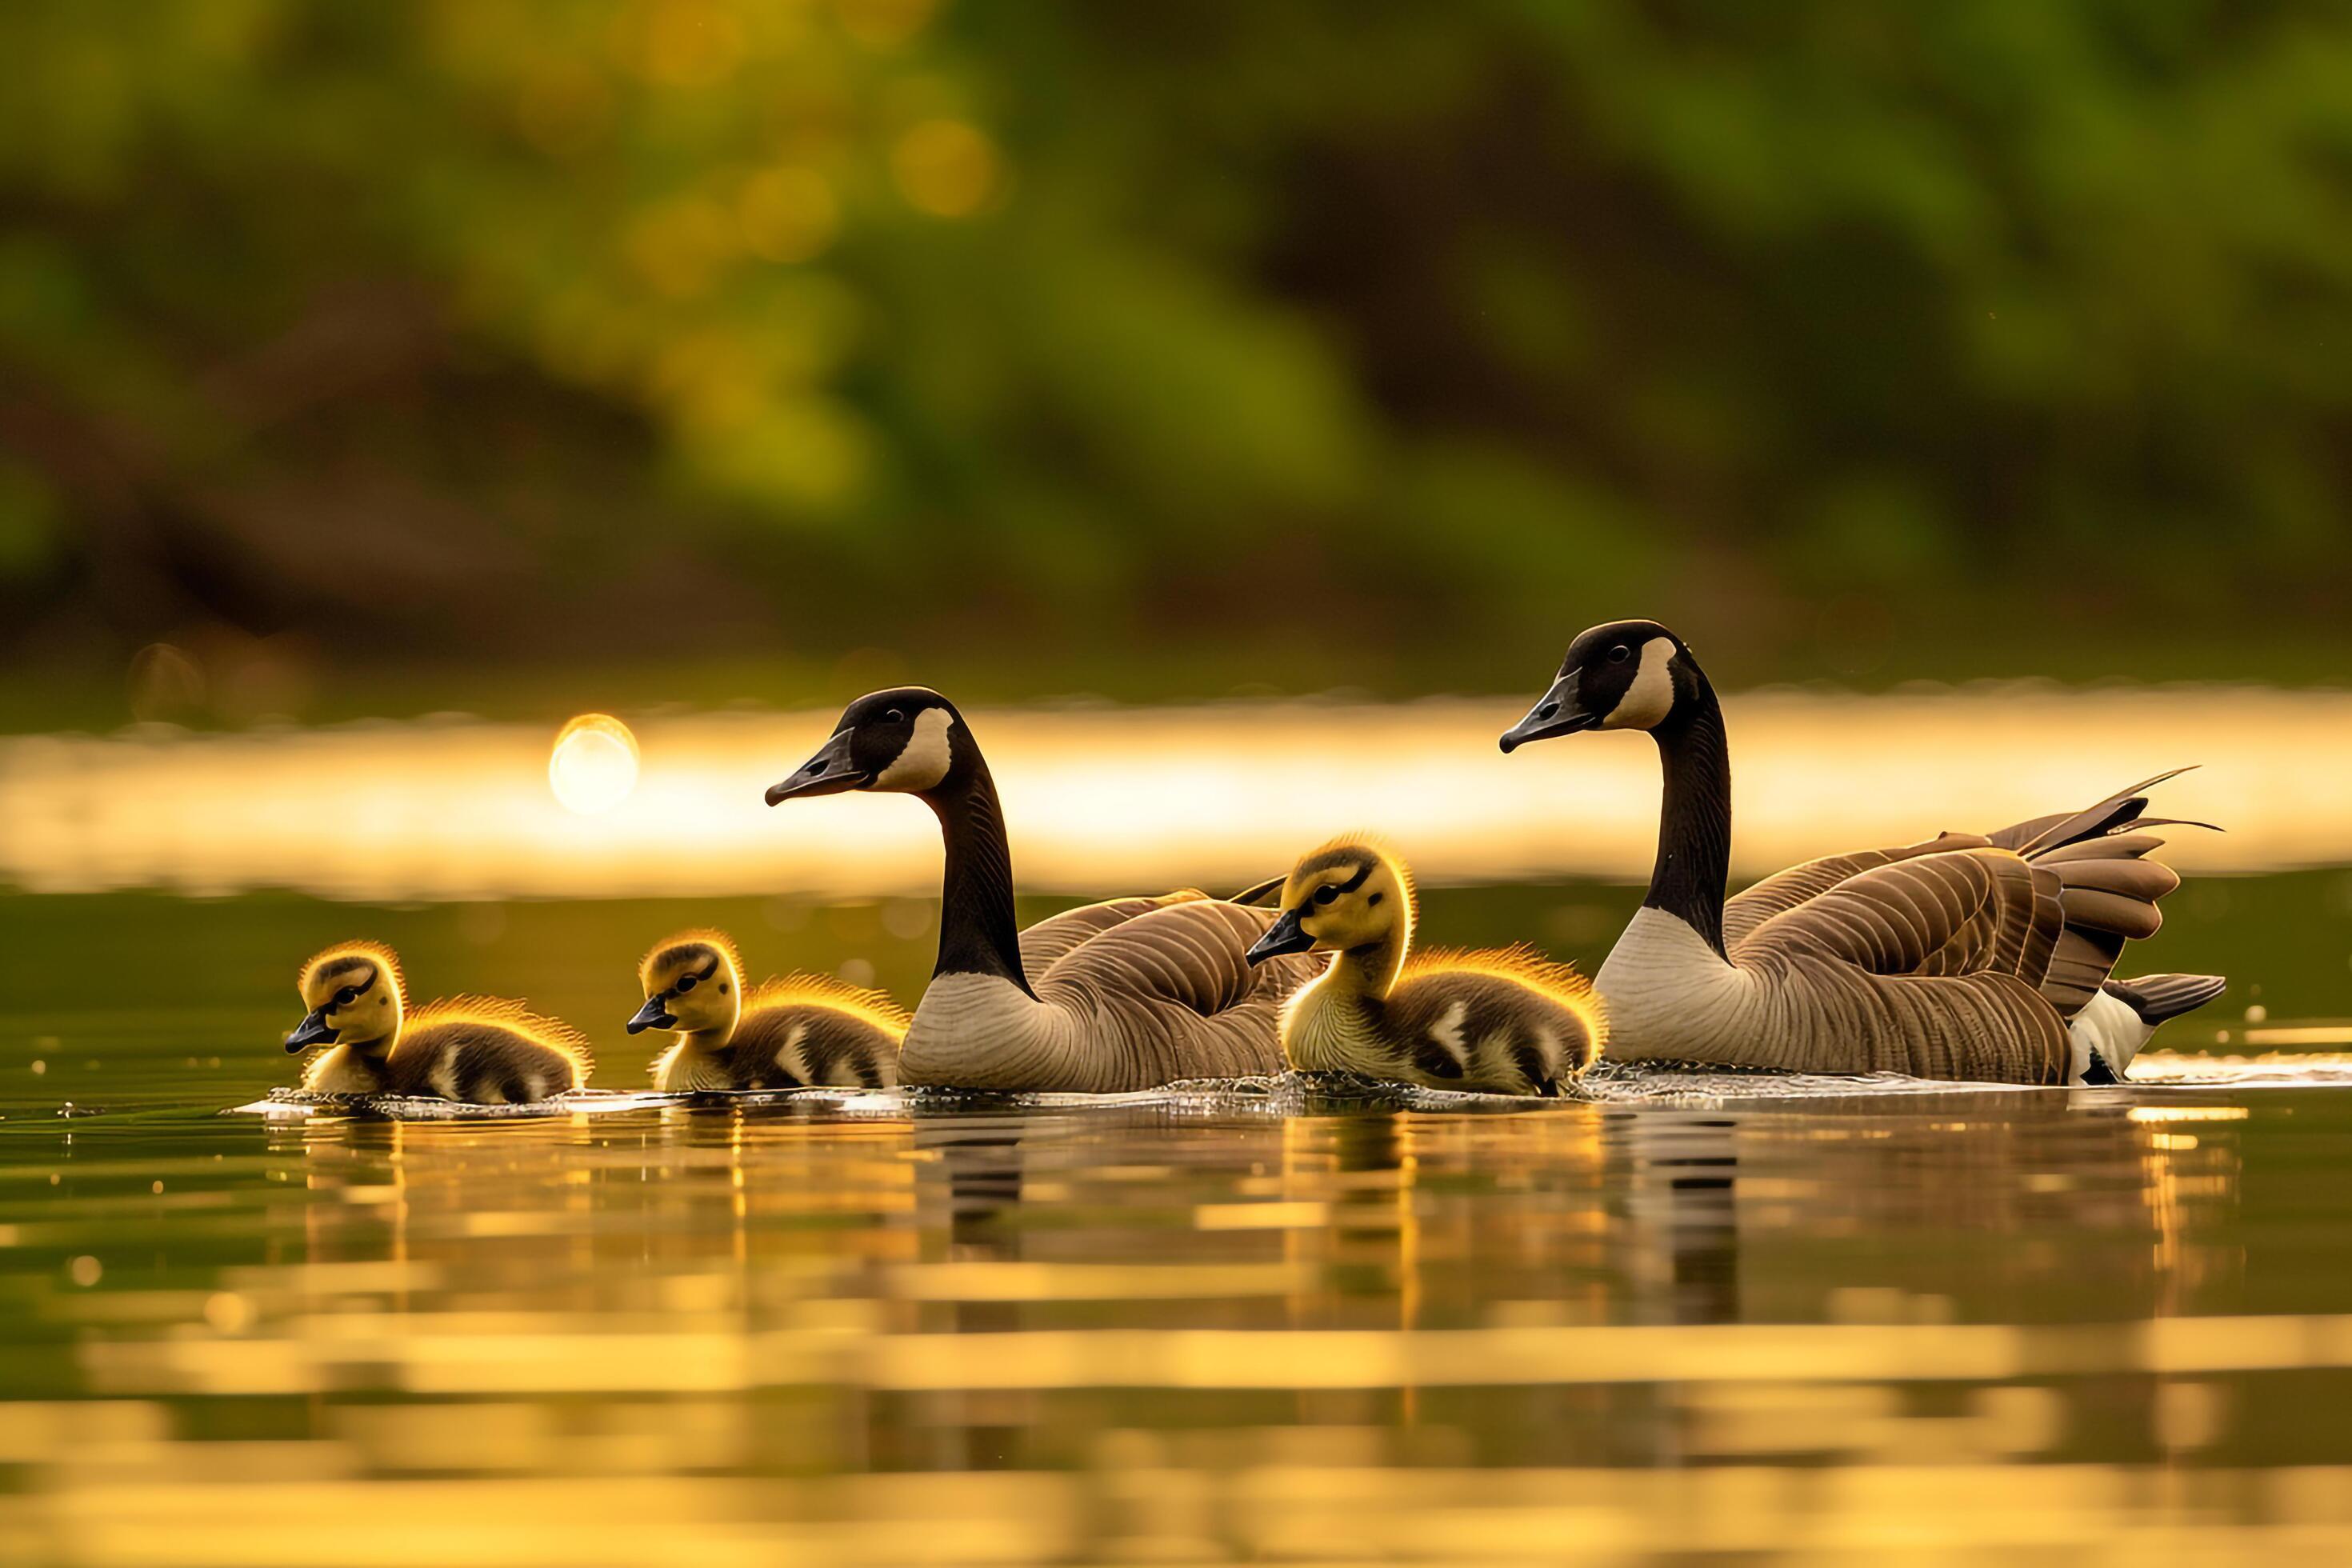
1626,675
905,738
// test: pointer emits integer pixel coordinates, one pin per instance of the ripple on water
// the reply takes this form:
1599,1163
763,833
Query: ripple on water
1608,1083
1712,1315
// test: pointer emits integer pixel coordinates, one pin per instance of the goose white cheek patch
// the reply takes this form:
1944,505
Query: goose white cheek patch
1651,698
925,761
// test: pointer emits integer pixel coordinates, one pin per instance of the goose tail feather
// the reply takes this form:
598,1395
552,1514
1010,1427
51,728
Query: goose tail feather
2123,1016
2157,997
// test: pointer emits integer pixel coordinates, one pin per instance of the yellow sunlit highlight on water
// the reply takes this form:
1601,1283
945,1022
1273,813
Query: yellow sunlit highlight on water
1107,800
593,766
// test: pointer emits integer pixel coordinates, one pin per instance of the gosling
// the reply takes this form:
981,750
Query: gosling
795,1033
476,1049
1502,1022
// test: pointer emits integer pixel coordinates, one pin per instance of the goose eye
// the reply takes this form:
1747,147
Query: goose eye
346,997
1326,894
1620,654
686,984
894,717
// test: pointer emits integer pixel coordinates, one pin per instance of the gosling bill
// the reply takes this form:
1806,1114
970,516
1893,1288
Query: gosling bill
798,1032
479,1050
1502,1022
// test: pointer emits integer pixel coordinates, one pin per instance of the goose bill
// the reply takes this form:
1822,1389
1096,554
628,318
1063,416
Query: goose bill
313,1030
1283,936
830,771
1559,712
652,1016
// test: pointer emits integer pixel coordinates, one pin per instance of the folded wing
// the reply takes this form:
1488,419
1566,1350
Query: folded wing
1045,943
1172,986
1929,965
2107,890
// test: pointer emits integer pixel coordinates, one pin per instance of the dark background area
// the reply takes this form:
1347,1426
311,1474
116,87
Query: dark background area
381,358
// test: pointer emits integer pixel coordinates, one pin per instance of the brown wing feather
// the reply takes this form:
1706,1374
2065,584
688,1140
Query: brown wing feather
2106,892
1960,912
1925,965
1045,942
2109,894
2043,833
1784,890
1176,984
1830,1016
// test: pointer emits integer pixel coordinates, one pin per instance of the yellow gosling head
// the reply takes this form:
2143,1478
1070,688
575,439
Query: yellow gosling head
693,982
355,998
1352,893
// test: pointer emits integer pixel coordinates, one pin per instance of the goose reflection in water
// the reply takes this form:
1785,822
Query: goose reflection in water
1683,1200
786,1291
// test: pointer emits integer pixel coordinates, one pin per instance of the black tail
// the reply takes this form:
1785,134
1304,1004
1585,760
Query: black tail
1257,893
2156,997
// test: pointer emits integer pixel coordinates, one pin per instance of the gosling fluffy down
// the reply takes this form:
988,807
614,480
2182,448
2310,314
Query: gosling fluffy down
1502,1022
798,1032
477,1049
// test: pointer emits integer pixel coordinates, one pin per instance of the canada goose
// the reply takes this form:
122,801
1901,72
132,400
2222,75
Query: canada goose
1966,955
1125,995
782,1034
1504,1022
478,1049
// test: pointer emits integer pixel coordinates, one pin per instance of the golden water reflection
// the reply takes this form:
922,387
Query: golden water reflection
1110,798
1949,1322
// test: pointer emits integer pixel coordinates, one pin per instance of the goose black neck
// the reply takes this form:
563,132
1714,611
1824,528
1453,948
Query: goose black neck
1694,823
978,932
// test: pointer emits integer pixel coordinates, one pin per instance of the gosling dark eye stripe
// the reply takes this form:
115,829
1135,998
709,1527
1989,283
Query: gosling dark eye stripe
1349,886
708,970
336,1000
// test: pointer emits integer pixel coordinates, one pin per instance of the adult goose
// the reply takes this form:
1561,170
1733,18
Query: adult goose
1970,956
1125,995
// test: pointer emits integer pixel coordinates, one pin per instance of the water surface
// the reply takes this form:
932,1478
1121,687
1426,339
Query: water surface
1713,1327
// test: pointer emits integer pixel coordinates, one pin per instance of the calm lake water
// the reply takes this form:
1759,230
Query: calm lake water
2025,1325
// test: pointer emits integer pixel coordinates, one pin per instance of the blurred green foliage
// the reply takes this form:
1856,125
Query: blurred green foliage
1330,334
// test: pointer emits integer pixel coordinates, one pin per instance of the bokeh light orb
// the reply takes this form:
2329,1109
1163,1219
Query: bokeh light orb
593,765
